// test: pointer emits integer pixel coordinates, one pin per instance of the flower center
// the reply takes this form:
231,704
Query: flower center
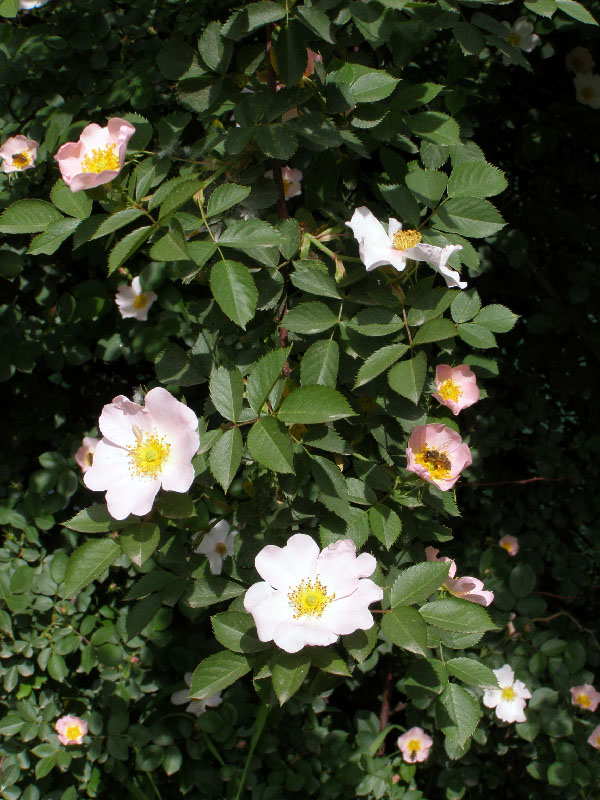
221,548
582,700
21,160
405,239
438,464
587,92
514,39
507,546
414,745
74,732
450,390
102,158
89,458
310,598
508,693
141,301
147,457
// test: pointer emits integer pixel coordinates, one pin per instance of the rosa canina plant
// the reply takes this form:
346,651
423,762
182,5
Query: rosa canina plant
261,267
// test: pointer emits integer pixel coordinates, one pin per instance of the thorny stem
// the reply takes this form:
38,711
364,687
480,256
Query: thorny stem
505,483
275,162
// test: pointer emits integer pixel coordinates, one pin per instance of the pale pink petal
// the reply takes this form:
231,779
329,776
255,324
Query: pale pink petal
431,555
131,497
285,567
505,676
118,418
293,635
339,569
350,613
174,420
365,225
269,608
594,738
85,454
521,690
491,697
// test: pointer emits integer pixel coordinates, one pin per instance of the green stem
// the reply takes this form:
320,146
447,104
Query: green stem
213,750
154,786
260,724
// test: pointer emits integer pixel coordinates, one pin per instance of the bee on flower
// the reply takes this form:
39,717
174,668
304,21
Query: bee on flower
437,454
18,153
415,745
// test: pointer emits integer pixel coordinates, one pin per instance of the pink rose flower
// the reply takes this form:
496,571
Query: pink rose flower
510,698
310,597
585,697
580,60
71,729
510,544
195,707
144,448
133,302
437,454
311,59
97,157
85,455
291,181
415,745
217,544
594,738
456,387
466,588
18,153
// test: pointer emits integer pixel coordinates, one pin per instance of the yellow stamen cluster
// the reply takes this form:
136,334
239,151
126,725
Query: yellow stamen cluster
450,390
506,546
310,598
141,301
508,693
582,700
102,158
514,39
438,464
147,457
405,239
21,160
73,732
221,548
414,746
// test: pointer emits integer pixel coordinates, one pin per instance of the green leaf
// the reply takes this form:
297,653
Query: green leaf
465,305
327,659
462,713
435,331
172,246
313,404
177,60
418,94
435,127
269,443
313,276
214,51
276,140
236,631
127,246
9,8
48,242
408,377
576,10
75,204
476,179
360,644
402,201
208,589
385,524
470,38
175,505
319,365
469,216
522,580
88,562
427,185
256,238
139,541
116,221
476,335
263,375
290,51
316,21
457,615
405,628
142,614
178,196
226,392
174,365
290,237
226,196
378,362
57,667
309,318
560,773
288,673
252,17
376,322
28,216
234,290
94,519
472,672
216,673
226,456
415,584
496,318
333,490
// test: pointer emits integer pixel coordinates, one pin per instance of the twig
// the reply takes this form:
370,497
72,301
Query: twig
384,714
506,483
572,618
275,162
